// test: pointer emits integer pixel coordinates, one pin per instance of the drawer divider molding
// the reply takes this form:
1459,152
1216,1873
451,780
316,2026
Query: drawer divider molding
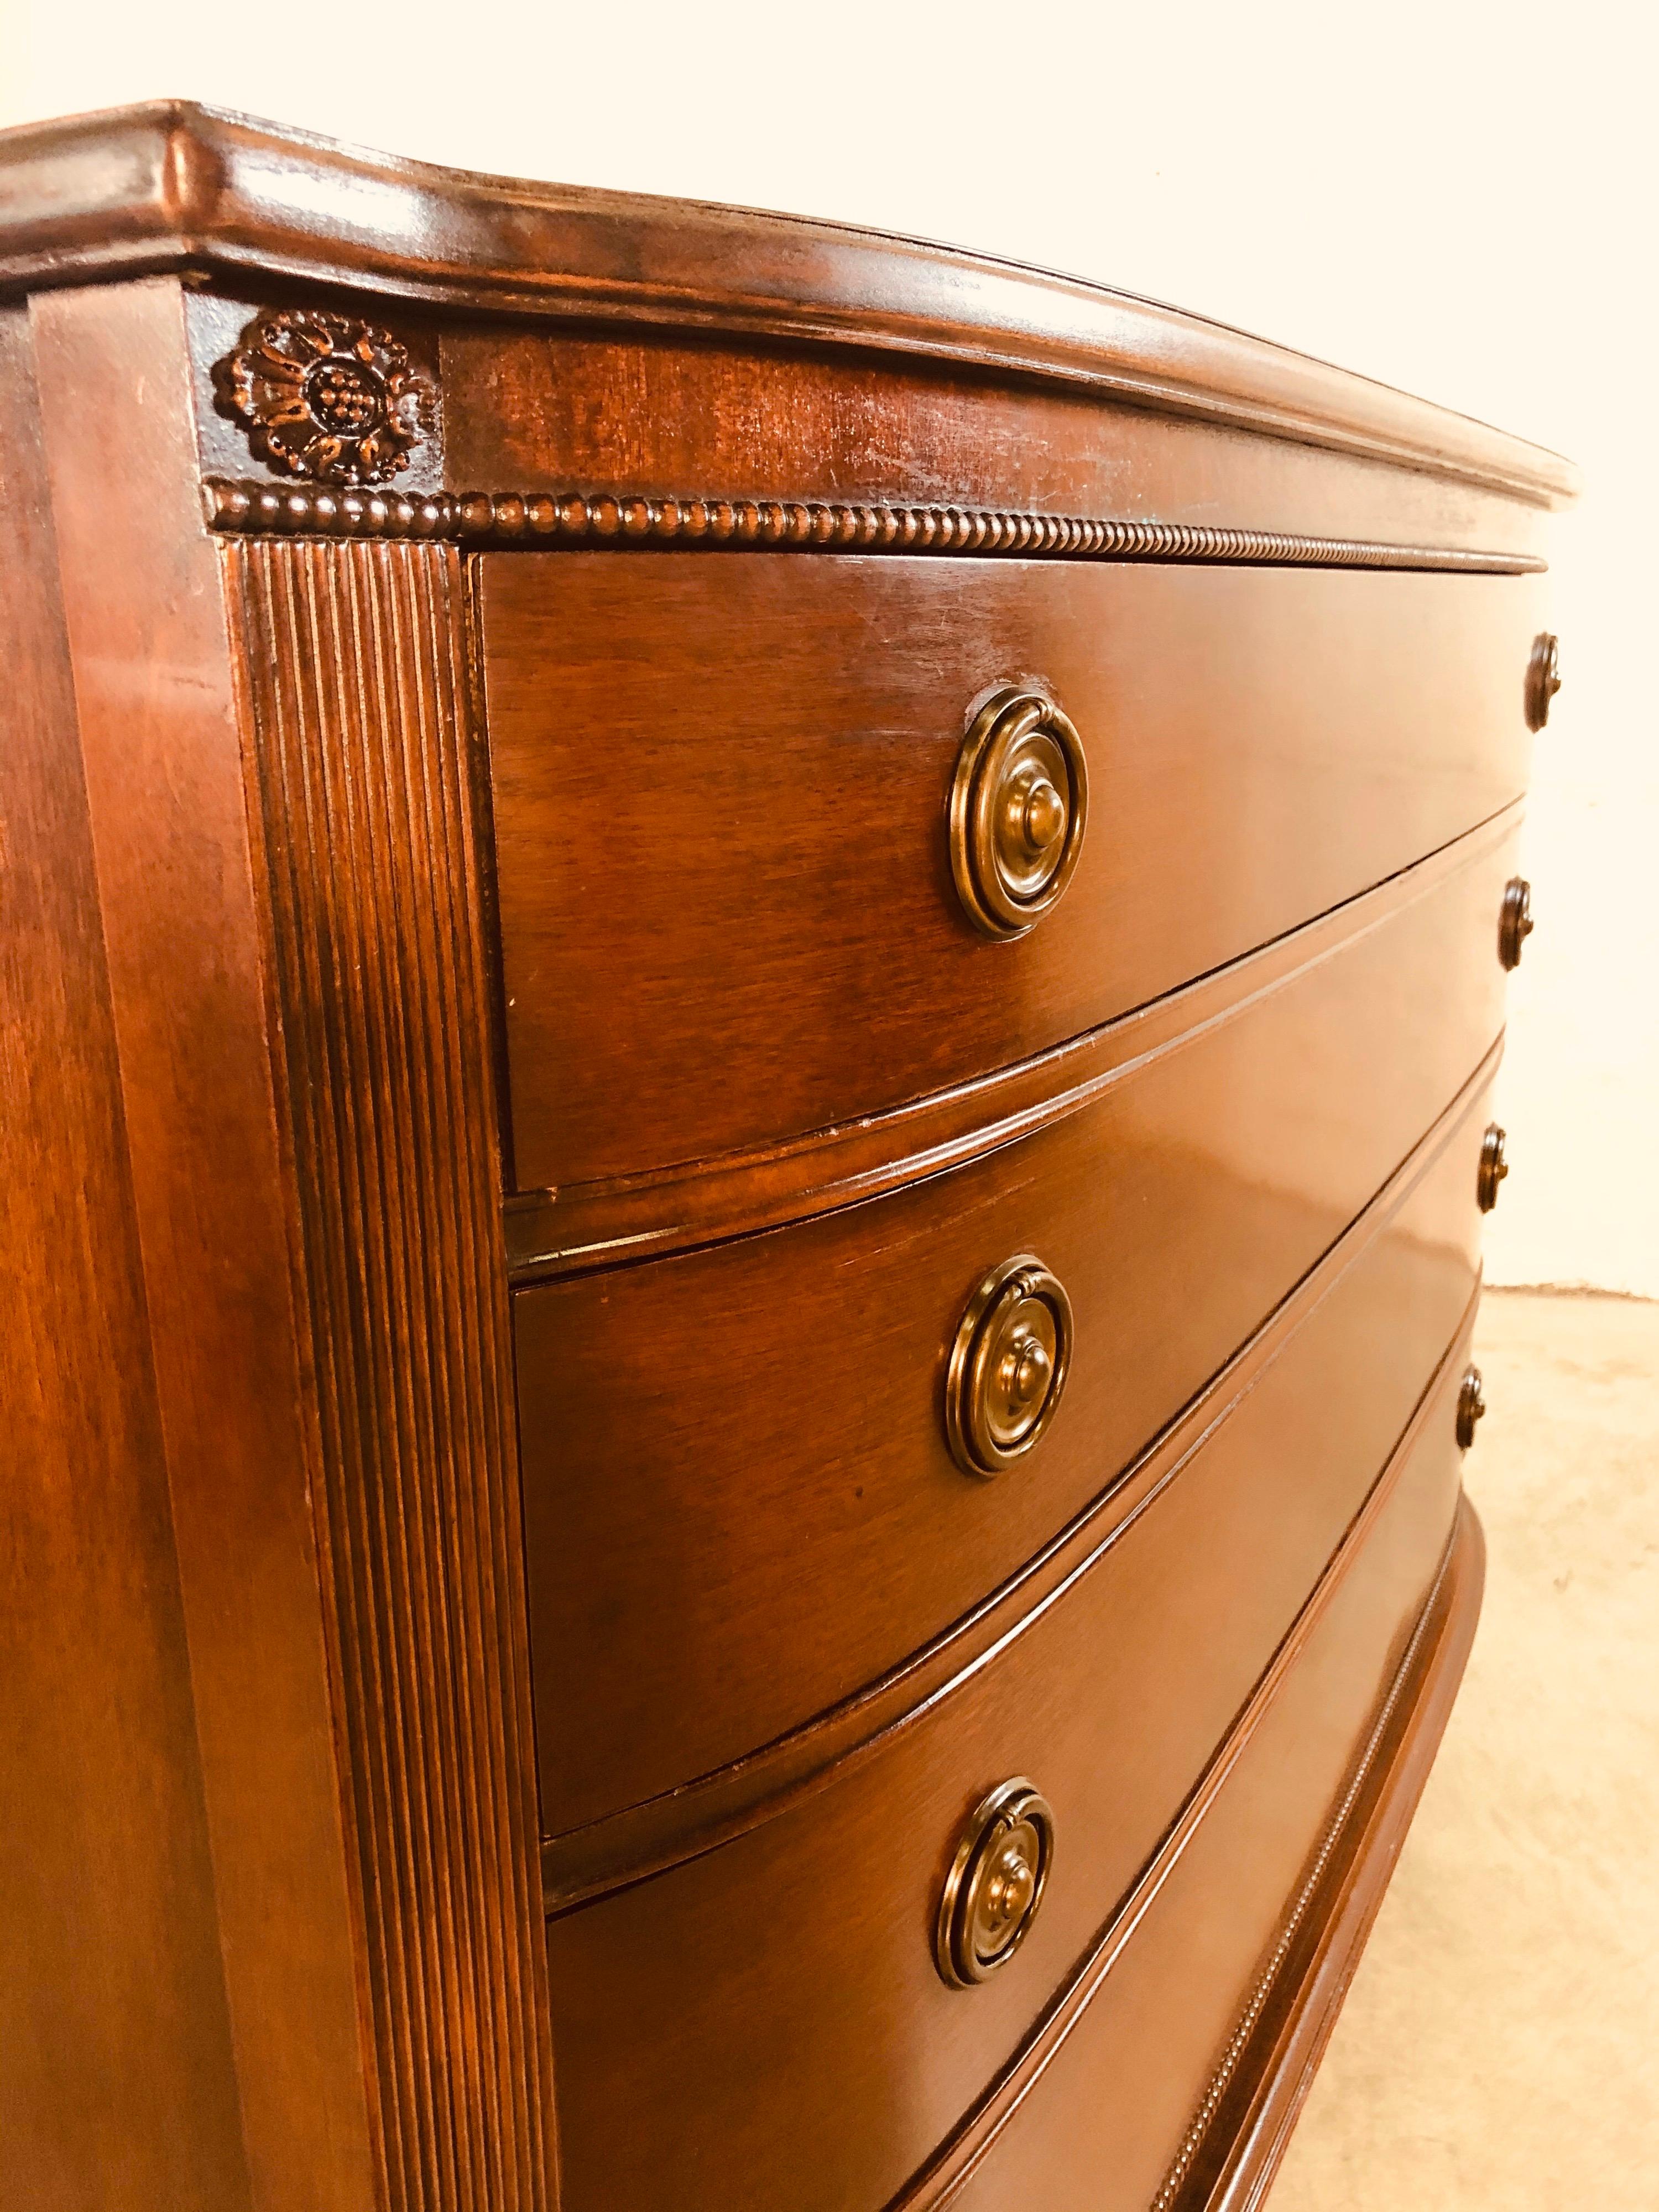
550,1233
606,1855
1418,1697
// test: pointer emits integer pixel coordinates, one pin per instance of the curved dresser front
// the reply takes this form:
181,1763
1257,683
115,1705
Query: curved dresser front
803,1098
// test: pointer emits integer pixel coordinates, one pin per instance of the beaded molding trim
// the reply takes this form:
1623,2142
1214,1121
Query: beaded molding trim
601,518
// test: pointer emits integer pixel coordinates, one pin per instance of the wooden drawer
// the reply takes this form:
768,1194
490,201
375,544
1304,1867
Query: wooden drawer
727,904
1110,2112
740,1504
766,2024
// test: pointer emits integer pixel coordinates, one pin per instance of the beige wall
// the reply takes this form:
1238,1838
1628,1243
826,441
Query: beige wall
1456,198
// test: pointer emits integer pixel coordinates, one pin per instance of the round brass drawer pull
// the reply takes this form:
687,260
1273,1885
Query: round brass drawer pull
1543,678
1018,807
1008,1366
1494,1166
1514,920
995,1883
1471,1407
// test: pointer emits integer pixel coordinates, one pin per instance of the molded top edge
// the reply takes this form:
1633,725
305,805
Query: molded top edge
173,185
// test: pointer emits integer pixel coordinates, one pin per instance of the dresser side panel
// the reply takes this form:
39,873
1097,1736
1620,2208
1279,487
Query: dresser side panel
117,2087
150,655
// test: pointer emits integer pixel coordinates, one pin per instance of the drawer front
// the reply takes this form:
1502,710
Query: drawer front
728,912
1104,2125
766,2024
741,1504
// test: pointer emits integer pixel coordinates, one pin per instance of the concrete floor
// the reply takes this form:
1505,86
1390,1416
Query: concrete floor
1499,2048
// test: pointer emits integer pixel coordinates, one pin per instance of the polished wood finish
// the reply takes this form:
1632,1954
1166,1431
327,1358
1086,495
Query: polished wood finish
320,2103
158,736
548,412
178,186
112,2013
569,1230
354,659
708,2013
775,1402
634,521
1232,2149
663,1831
1136,2047
764,754
713,1501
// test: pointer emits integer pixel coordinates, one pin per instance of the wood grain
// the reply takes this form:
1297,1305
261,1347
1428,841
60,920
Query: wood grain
772,2010
713,1442
653,415
649,1837
162,749
505,1111
353,665
1241,2127
175,185
117,2087
633,1218
728,781
1127,2049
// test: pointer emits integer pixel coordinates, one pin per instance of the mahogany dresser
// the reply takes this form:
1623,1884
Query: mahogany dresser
752,977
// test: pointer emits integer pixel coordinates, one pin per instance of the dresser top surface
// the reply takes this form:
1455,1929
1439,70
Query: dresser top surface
173,185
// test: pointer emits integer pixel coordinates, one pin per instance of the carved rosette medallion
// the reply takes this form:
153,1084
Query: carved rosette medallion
325,396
